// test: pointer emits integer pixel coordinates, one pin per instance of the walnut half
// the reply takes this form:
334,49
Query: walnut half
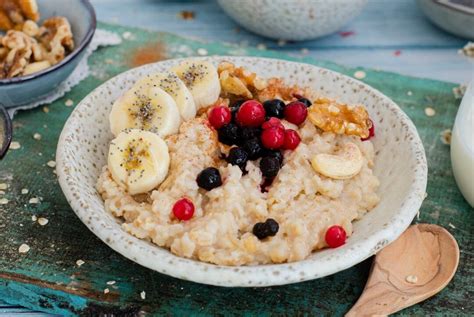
339,118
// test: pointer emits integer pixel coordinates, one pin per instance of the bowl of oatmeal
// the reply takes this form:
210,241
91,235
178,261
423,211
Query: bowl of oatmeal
240,171
41,43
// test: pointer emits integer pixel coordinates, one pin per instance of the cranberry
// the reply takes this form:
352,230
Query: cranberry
371,131
219,116
251,114
183,209
292,139
296,112
272,122
335,236
273,138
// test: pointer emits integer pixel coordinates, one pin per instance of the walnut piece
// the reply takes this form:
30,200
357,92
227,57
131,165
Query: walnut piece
239,81
56,36
19,46
276,88
331,116
16,12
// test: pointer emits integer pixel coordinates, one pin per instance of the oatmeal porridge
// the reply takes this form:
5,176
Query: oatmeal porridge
225,167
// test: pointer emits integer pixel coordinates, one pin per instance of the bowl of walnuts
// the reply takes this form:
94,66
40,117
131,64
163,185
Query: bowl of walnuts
41,43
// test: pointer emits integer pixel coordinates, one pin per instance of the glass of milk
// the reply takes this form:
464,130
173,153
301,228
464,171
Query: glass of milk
462,146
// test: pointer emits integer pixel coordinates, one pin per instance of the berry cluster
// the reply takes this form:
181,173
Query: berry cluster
255,131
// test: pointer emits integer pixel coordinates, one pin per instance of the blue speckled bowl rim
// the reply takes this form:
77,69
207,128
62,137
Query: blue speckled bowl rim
8,131
85,42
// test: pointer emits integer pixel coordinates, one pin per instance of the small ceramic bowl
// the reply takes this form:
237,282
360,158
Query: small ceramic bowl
22,90
454,16
5,131
291,19
400,165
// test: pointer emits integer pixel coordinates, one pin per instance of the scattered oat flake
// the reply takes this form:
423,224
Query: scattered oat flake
110,282
202,51
446,136
15,145
3,186
2,192
397,53
187,15
459,91
261,47
43,221
34,218
412,279
430,112
24,191
45,109
142,295
79,262
51,164
346,33
3,201
34,200
127,35
106,291
108,61
304,51
37,136
451,225
409,93
281,42
360,74
467,50
69,102
24,248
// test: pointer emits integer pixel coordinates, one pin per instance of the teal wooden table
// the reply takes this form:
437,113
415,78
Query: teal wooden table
389,35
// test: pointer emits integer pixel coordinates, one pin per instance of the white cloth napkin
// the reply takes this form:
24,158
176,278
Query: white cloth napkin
101,38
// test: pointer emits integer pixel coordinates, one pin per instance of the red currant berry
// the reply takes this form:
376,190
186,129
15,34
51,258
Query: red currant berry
272,122
292,139
183,209
273,138
296,112
335,236
371,131
251,114
219,116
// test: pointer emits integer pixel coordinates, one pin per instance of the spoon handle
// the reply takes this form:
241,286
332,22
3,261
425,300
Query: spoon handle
5,131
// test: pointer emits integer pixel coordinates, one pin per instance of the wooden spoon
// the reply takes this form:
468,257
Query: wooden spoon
415,267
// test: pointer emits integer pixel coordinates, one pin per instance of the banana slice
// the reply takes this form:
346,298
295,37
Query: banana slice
146,108
175,87
202,80
139,160
343,166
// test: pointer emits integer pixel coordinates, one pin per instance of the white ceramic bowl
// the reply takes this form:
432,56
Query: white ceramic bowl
292,19
400,165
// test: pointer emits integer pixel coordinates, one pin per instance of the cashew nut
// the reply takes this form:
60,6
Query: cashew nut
343,166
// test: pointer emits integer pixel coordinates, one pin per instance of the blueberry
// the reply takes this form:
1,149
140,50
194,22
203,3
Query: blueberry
274,108
229,134
248,133
254,148
238,156
262,230
269,166
209,178
306,102
273,153
235,107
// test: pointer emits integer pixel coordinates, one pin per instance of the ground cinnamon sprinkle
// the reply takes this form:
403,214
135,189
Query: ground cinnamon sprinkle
151,53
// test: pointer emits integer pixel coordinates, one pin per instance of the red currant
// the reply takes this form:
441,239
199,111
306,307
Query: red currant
335,236
371,131
292,139
296,112
272,122
273,138
251,114
219,116
183,209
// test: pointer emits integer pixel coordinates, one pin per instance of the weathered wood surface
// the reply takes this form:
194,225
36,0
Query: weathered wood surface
48,279
415,267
